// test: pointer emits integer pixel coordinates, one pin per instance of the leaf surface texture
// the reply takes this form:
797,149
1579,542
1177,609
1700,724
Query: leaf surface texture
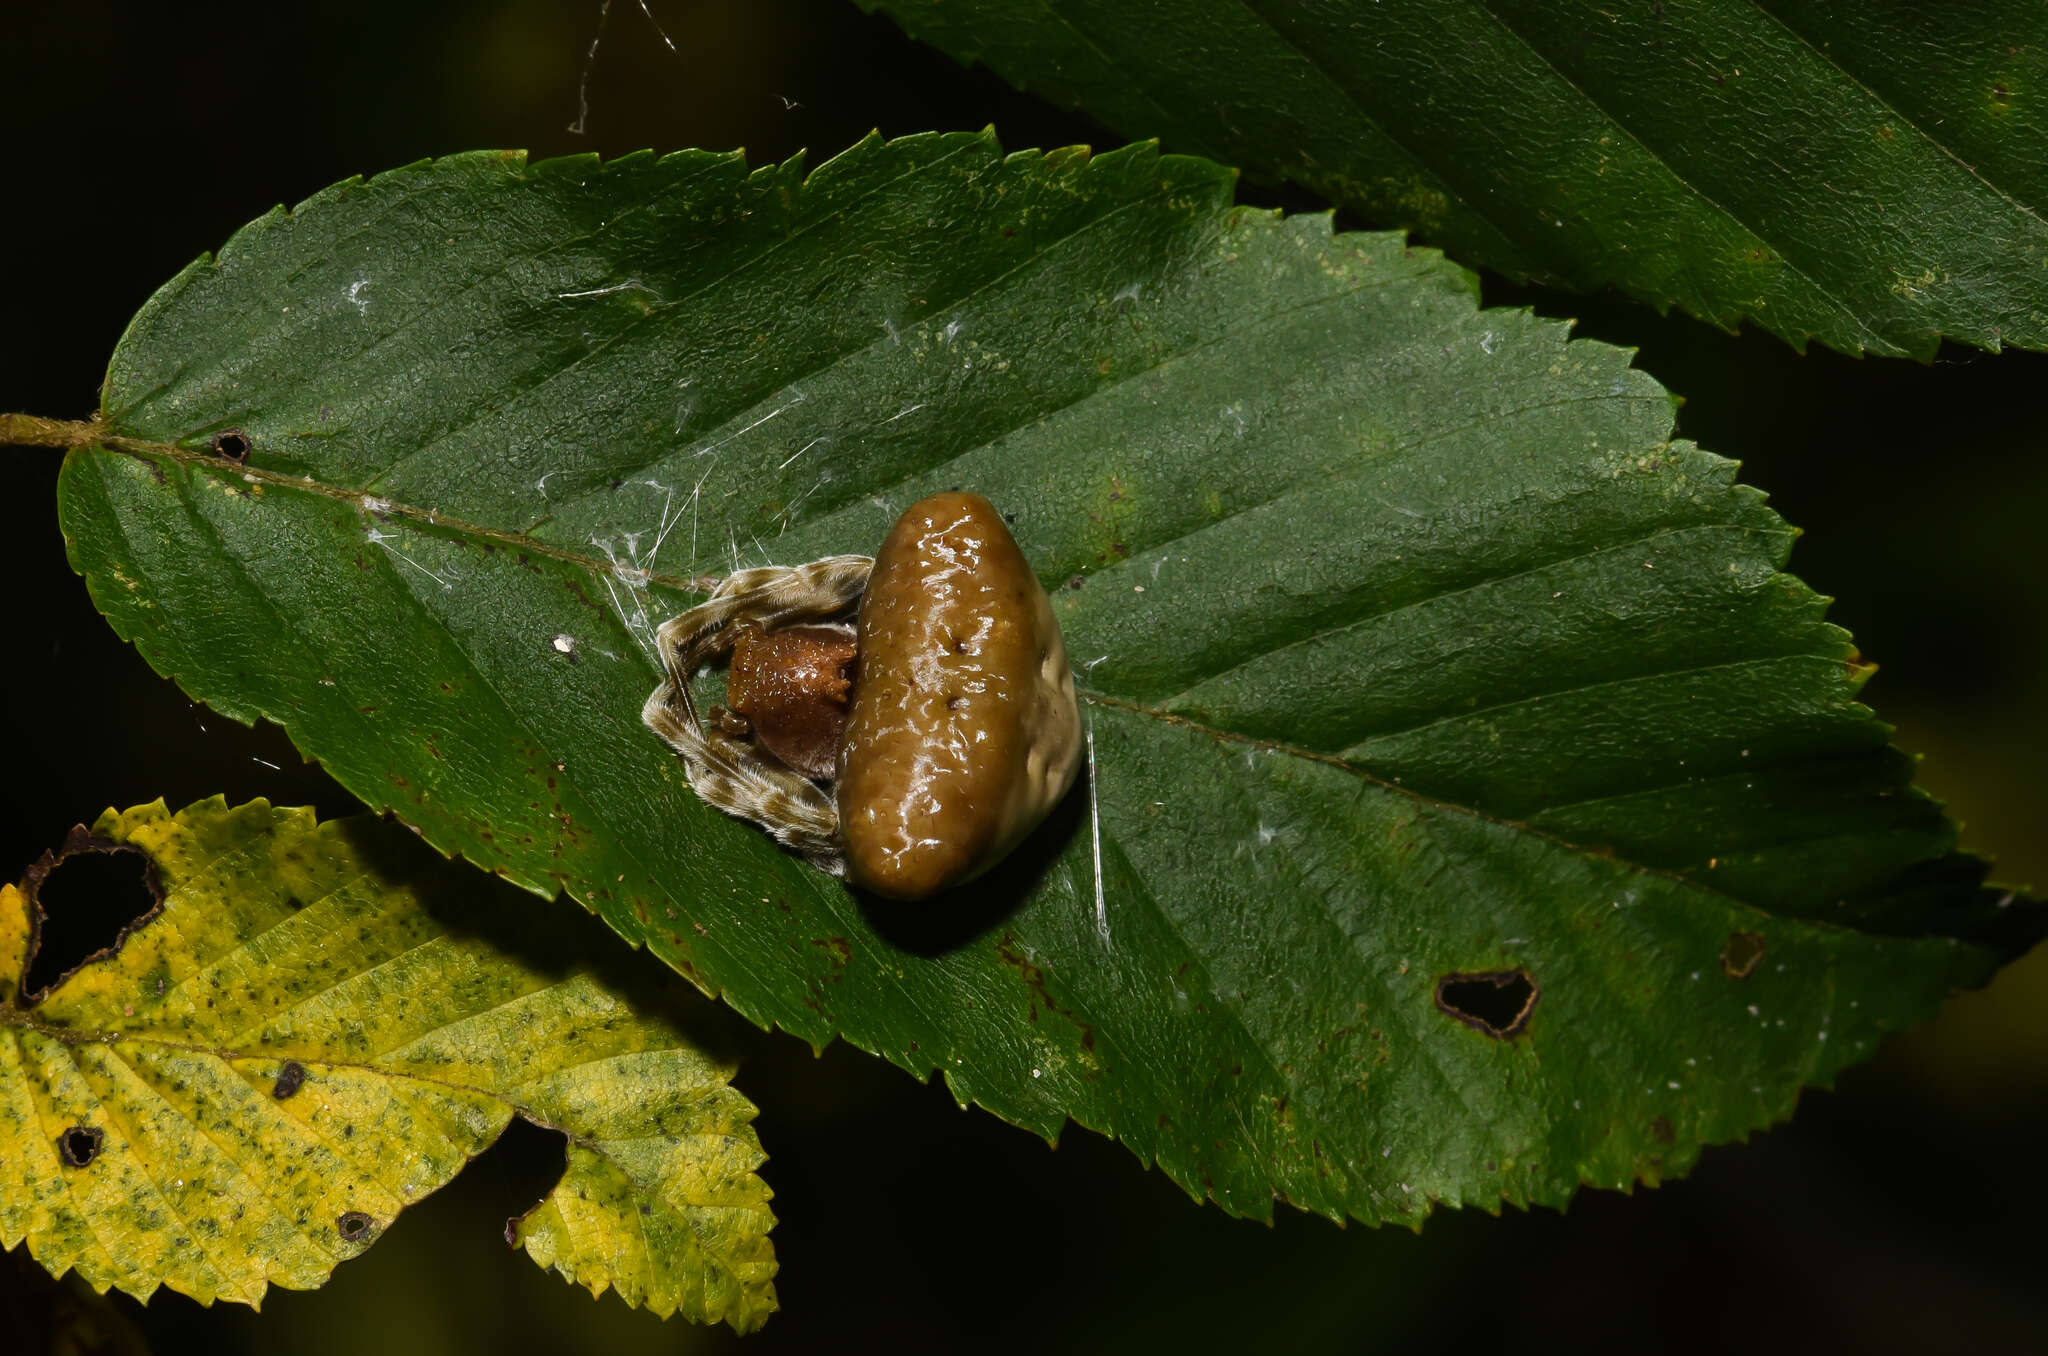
1874,176
1411,646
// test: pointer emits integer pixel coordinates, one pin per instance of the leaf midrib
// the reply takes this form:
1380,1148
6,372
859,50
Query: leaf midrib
14,1018
142,449
368,503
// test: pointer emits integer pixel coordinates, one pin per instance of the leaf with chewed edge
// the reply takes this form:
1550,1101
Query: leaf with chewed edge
319,1025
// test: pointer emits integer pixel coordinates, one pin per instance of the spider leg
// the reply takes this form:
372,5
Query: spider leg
727,775
724,772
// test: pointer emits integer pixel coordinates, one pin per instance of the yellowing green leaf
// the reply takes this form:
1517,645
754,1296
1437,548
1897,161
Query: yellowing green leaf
318,1028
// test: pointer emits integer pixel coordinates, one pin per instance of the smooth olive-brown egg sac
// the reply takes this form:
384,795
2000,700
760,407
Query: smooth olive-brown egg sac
964,731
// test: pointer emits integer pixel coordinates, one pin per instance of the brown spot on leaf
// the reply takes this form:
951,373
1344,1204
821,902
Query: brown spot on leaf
288,1079
355,1226
1660,1126
1496,1003
1741,954
1034,980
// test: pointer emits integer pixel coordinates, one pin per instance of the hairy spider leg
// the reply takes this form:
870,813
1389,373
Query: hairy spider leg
724,772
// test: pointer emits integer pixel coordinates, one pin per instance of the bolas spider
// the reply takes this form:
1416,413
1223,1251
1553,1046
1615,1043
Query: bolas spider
903,721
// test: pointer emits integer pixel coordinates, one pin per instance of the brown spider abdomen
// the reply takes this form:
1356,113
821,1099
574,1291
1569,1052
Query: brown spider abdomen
964,731
793,685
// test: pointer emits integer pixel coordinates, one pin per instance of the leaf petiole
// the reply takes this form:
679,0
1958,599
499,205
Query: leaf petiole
29,430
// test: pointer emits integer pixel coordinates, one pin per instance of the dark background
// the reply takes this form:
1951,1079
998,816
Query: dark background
1900,1212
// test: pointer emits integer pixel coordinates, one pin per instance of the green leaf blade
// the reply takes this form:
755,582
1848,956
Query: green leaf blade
1872,179
1411,645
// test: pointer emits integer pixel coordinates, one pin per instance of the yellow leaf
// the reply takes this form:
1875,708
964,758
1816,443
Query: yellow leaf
318,1028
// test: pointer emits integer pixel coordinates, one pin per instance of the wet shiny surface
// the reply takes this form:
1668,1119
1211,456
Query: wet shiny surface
793,686
964,732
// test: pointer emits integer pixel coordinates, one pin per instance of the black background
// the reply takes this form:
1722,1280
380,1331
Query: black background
1900,1212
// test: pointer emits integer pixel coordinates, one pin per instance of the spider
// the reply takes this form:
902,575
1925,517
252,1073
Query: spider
902,721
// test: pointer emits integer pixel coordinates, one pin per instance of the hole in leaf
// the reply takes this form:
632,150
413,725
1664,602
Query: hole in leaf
85,898
1496,1002
288,1079
80,1144
231,444
355,1226
1741,954
520,1169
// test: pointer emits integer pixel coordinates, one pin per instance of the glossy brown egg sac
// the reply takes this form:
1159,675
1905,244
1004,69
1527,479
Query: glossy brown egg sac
793,685
964,732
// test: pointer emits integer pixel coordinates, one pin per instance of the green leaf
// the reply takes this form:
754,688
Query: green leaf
316,1028
1411,646
1874,177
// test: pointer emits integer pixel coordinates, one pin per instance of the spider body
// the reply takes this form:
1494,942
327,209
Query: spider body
959,733
794,687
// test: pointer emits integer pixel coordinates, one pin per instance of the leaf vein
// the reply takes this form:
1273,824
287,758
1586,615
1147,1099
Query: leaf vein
234,1154
147,1163
1440,595
1753,231
1829,58
1528,698
534,391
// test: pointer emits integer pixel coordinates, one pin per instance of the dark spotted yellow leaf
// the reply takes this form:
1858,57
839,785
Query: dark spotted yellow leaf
320,1025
